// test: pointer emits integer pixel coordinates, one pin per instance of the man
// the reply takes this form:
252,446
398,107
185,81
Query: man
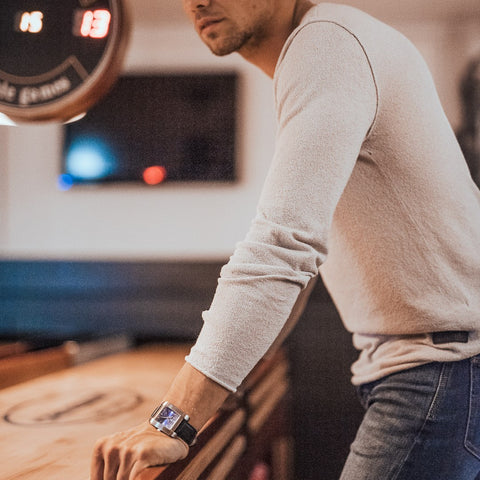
369,186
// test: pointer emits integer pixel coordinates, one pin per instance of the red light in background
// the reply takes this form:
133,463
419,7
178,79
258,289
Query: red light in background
154,175
95,23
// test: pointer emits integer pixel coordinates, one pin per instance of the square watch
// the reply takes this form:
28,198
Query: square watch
169,419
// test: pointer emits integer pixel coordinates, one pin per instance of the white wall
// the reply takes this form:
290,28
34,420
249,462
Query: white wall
173,222
3,186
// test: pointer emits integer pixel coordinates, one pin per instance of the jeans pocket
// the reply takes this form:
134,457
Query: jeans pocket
472,437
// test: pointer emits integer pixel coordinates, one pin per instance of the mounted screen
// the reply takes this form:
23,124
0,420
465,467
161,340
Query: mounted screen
154,130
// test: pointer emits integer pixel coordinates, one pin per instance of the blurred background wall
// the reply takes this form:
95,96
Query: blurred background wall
37,220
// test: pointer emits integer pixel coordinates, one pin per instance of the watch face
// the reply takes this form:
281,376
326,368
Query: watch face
167,418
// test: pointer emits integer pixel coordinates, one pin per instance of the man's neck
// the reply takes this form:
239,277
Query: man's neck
265,54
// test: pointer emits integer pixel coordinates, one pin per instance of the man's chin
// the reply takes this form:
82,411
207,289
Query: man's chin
220,49
221,53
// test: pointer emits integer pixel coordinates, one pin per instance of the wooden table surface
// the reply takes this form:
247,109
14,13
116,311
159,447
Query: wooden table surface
49,425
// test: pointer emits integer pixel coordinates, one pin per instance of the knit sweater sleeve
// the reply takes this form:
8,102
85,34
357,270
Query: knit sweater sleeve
325,100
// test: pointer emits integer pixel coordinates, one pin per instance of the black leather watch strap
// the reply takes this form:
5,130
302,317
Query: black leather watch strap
186,432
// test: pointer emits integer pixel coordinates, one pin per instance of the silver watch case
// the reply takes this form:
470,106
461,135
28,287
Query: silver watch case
167,417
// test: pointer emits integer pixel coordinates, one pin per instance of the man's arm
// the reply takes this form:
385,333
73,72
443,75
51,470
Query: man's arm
325,108
141,447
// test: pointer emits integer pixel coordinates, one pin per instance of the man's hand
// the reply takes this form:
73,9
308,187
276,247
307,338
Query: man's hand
124,455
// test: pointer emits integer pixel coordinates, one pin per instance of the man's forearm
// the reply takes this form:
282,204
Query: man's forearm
197,395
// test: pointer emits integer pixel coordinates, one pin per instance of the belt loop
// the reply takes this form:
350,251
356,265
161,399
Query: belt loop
439,338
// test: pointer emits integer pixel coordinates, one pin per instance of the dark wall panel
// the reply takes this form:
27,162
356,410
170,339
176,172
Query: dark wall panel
161,299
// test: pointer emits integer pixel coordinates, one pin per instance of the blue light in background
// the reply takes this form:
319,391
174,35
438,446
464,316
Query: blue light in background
89,159
64,182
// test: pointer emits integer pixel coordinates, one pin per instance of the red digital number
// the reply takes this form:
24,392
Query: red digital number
95,23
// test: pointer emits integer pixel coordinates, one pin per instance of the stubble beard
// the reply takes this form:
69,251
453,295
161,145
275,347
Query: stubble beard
231,43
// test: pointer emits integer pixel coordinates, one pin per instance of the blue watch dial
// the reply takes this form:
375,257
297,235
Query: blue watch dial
167,417
173,422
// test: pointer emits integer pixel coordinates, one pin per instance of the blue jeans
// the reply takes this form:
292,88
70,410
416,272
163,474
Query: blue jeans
420,424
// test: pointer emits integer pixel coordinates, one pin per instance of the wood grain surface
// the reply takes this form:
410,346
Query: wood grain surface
18,368
49,425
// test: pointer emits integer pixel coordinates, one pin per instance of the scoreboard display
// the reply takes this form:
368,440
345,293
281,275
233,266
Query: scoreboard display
57,59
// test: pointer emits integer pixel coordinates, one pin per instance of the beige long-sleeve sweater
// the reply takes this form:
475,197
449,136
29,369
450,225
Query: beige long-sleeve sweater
367,186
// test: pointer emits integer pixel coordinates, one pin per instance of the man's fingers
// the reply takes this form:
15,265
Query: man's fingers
97,466
124,455
127,461
137,468
112,462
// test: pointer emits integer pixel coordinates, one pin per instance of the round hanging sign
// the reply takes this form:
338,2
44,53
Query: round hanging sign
57,59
